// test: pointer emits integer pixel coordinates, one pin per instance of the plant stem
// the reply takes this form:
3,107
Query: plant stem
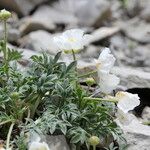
5,42
100,99
94,147
9,135
5,52
87,74
73,54
28,116
78,146
4,122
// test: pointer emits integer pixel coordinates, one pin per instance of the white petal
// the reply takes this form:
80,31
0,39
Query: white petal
127,101
58,40
124,118
76,33
73,39
106,61
108,82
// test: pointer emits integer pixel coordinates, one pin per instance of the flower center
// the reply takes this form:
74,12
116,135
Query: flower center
120,95
72,39
98,65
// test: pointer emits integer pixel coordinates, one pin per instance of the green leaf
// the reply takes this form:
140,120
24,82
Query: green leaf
52,127
57,57
71,66
14,55
63,128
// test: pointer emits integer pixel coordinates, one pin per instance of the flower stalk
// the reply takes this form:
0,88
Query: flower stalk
4,16
100,99
94,147
73,54
87,74
5,42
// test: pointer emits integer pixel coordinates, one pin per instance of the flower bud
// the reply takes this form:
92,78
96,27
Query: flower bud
4,14
14,95
94,140
90,81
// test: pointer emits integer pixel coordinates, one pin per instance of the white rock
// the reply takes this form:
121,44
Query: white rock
40,41
145,14
137,30
102,33
57,142
146,114
99,11
13,34
132,78
137,142
22,7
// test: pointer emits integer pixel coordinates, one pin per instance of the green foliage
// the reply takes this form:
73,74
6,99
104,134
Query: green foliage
69,114
21,141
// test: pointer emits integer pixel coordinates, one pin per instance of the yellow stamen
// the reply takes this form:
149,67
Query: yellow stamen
72,40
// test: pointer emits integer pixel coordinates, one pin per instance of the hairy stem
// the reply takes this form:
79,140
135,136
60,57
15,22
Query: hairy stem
5,41
74,56
87,74
100,99
5,52
9,135
28,116
94,147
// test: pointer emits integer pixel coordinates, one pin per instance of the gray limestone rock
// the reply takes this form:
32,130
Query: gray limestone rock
22,7
137,30
94,13
39,41
132,78
57,142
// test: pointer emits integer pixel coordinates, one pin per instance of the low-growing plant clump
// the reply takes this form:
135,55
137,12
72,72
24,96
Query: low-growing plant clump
46,98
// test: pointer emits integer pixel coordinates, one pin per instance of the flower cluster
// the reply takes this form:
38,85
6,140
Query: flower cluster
75,40
4,14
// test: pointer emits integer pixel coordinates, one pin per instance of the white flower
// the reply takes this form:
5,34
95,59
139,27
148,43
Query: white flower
73,39
127,101
108,82
124,118
105,62
38,146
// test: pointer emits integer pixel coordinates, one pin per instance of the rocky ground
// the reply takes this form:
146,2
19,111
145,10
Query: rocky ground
122,25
